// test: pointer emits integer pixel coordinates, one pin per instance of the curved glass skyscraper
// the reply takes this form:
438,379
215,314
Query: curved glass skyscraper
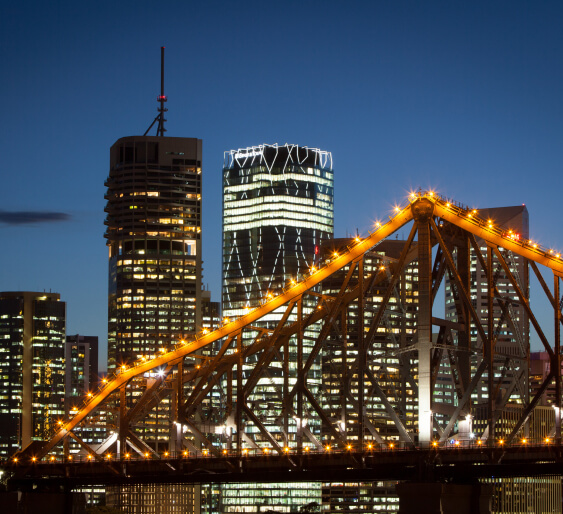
277,210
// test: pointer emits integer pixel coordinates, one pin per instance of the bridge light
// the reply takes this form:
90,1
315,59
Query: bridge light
397,209
286,449
15,460
245,451
104,380
327,447
391,445
108,456
547,440
205,452
431,193
307,449
225,452
52,458
266,450
377,224
457,443
524,440
501,442
204,331
479,442
448,204
166,454
127,455
335,254
434,443
33,459
70,457
89,457
185,453
370,446
225,320
349,447
146,455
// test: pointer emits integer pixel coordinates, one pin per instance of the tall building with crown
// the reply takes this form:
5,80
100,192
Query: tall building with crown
277,212
154,238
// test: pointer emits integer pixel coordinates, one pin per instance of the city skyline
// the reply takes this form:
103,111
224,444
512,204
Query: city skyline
461,99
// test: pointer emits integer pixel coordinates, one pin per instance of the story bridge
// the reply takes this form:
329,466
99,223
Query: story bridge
348,381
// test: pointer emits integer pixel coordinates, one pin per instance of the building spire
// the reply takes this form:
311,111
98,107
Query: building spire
161,99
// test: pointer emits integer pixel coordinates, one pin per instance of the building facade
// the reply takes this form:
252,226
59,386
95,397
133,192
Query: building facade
81,367
511,324
32,381
154,238
278,210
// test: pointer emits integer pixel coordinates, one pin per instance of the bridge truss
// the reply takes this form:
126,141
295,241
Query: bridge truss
351,360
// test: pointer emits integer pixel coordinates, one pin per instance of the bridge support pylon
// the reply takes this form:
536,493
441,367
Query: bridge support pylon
422,211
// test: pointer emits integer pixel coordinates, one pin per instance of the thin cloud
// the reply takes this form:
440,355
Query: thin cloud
31,217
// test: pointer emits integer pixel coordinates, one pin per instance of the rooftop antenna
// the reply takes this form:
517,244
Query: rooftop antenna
160,99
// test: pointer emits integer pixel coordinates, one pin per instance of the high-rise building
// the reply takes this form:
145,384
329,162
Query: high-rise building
32,344
154,239
387,359
277,212
511,324
81,367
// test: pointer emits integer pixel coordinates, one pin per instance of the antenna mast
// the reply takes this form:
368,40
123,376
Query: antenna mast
161,99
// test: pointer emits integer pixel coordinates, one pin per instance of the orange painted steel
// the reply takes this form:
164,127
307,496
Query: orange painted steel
465,219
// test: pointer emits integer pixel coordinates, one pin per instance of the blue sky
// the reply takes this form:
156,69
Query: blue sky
462,97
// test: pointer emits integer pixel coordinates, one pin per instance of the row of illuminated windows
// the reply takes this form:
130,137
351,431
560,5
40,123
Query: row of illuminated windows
277,178
265,209
159,262
324,224
266,200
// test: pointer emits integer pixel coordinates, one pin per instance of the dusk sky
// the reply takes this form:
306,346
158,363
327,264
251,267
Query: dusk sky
465,98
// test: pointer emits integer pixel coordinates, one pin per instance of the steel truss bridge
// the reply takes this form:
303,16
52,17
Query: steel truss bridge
339,385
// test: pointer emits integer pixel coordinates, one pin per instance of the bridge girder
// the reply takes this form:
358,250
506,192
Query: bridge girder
265,386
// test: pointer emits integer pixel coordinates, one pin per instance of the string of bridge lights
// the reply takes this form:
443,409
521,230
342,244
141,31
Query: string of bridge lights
369,449
470,215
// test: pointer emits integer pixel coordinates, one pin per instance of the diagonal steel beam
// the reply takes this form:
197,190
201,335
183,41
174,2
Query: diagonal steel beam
524,302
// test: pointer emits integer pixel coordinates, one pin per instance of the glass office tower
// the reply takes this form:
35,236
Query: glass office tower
277,212
32,377
154,239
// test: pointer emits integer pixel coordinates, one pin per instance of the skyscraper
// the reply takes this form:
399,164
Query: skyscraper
32,343
511,324
81,367
277,211
154,239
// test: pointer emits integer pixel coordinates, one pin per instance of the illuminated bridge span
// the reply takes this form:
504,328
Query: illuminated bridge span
349,376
